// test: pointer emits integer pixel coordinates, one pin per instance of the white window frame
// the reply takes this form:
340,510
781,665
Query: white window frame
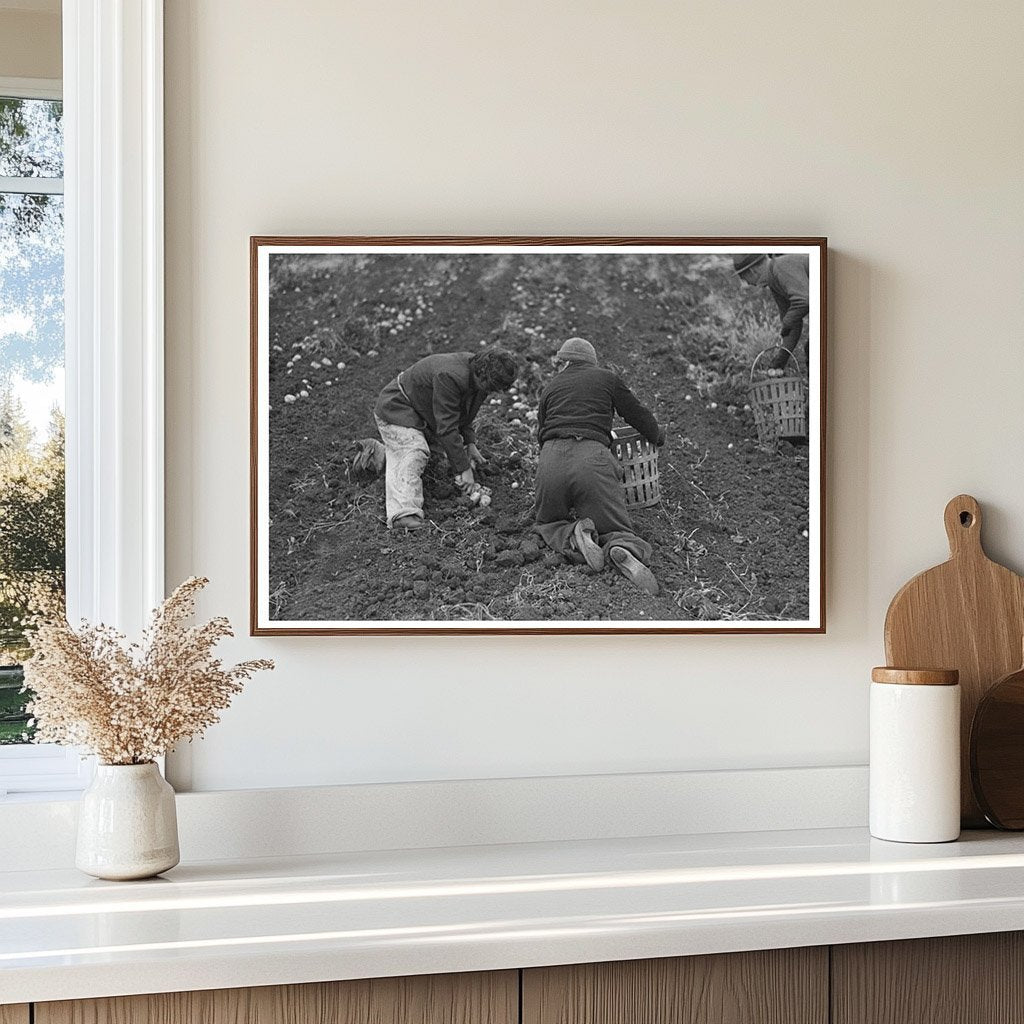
114,348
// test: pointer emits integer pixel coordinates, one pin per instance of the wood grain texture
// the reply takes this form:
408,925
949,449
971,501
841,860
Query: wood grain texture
481,998
777,986
915,676
961,979
967,614
14,1014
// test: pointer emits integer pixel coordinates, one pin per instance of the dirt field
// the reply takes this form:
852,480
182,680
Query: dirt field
730,535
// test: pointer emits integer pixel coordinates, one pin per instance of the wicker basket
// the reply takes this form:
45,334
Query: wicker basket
639,461
779,403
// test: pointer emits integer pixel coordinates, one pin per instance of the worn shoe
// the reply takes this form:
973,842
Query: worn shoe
634,570
409,522
584,537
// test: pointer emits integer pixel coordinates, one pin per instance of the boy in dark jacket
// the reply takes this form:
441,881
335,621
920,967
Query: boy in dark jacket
580,508
436,399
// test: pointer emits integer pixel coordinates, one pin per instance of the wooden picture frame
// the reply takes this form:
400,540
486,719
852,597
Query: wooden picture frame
739,530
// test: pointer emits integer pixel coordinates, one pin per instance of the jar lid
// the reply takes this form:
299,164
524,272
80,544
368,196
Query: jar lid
916,676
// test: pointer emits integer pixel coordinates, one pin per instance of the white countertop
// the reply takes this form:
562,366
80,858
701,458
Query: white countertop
227,924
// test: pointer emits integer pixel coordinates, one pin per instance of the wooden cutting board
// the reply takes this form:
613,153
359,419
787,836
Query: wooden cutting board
967,614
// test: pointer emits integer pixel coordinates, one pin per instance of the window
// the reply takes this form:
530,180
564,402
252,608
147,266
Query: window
32,531
31,383
113,329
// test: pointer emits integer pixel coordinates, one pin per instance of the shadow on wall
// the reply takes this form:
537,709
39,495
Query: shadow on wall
851,288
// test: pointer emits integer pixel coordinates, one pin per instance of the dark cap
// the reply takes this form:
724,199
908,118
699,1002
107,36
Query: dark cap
747,260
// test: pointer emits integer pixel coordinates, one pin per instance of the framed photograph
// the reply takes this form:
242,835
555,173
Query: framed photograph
537,435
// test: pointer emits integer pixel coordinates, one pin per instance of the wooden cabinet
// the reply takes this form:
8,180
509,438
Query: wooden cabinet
962,979
967,979
491,998
778,986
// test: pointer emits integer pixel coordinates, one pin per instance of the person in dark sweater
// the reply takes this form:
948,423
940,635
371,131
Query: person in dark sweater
787,277
579,507
436,399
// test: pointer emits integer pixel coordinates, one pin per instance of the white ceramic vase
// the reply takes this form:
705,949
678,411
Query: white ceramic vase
127,825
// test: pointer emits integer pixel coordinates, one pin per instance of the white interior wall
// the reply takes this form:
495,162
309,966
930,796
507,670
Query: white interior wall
895,129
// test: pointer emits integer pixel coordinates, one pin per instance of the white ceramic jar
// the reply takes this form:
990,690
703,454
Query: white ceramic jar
127,823
915,755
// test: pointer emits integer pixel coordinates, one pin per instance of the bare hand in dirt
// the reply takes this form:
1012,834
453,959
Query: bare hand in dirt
465,479
476,457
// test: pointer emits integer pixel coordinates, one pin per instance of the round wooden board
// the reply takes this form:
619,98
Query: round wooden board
997,752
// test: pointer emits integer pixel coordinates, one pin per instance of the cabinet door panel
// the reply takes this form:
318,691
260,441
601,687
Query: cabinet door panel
483,998
778,986
14,1014
960,979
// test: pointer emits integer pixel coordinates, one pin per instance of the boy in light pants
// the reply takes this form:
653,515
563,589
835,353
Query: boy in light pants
436,399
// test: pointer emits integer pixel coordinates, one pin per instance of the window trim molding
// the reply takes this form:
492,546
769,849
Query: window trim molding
114,268
43,768
32,186
114,330
32,88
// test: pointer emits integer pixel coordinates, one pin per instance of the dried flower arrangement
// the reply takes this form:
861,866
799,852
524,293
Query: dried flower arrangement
130,703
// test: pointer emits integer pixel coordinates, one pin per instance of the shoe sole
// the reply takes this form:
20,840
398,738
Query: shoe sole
592,554
634,570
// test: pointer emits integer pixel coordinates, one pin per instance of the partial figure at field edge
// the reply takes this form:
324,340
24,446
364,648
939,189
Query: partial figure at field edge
787,277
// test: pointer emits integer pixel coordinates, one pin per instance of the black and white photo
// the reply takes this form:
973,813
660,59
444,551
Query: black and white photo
537,435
